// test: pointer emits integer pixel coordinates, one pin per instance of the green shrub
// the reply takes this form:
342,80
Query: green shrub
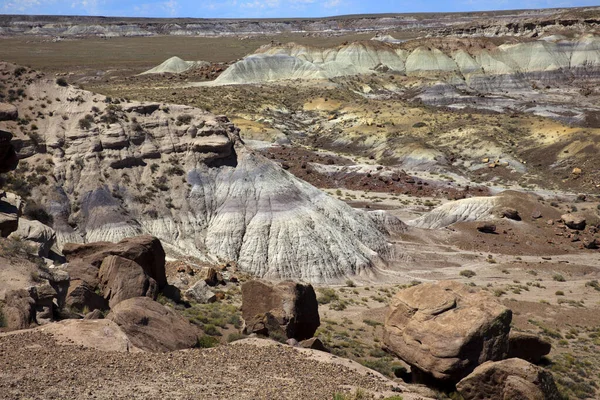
326,295
232,337
62,82
559,278
211,330
559,293
206,342
467,273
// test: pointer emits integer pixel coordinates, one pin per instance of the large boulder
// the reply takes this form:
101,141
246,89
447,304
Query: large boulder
19,308
8,155
82,298
509,379
200,293
122,279
10,211
145,250
527,347
574,221
288,308
446,329
153,327
8,112
37,235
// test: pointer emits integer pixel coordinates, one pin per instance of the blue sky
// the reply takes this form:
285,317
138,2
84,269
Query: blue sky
265,8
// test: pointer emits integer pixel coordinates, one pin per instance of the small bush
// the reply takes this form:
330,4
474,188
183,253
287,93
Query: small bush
211,330
350,283
559,278
206,342
467,273
559,293
232,337
593,284
326,296
86,122
62,82
184,119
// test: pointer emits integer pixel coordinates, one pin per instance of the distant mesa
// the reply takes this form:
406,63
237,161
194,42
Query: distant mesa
175,65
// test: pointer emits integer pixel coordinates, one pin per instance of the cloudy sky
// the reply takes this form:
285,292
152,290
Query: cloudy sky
264,8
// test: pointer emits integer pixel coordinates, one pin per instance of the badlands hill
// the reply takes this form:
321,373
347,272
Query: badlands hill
105,169
175,65
478,64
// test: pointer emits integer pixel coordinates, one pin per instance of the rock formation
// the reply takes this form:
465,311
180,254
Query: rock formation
509,379
287,309
446,329
153,327
175,65
527,347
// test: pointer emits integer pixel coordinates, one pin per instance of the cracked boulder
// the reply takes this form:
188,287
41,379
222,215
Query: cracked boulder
446,329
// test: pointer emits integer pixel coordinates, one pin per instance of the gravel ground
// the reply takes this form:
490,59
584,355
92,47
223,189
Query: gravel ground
34,366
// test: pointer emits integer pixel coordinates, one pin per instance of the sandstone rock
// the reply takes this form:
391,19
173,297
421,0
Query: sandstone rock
98,334
96,314
8,155
8,112
122,279
200,293
574,221
19,310
486,228
288,308
210,276
314,343
510,213
153,327
509,379
38,235
147,251
527,347
446,329
81,296
536,214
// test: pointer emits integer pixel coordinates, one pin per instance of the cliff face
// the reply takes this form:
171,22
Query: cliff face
116,168
482,66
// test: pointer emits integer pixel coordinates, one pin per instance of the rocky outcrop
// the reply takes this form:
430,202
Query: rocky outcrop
446,329
175,65
122,279
527,347
200,293
39,236
146,251
82,297
8,156
8,112
10,210
287,309
574,221
19,308
153,327
509,379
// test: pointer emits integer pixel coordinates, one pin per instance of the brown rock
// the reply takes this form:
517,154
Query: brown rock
314,343
446,329
288,309
487,228
122,279
8,112
96,314
153,327
527,347
510,213
509,379
81,296
8,155
19,310
574,221
146,250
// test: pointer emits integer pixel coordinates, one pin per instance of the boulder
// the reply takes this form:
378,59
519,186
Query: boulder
8,112
210,276
509,379
200,293
446,329
527,347
8,155
486,228
153,327
314,343
122,279
145,250
96,314
10,211
83,297
97,334
38,235
288,308
510,213
19,309
574,221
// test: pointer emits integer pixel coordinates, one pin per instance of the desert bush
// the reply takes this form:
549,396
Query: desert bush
559,278
467,273
38,213
232,337
184,119
350,283
206,342
86,122
559,293
62,82
326,295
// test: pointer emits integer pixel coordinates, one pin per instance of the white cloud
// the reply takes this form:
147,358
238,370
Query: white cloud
21,6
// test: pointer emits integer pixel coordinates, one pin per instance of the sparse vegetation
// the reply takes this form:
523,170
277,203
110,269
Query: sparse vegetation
467,273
